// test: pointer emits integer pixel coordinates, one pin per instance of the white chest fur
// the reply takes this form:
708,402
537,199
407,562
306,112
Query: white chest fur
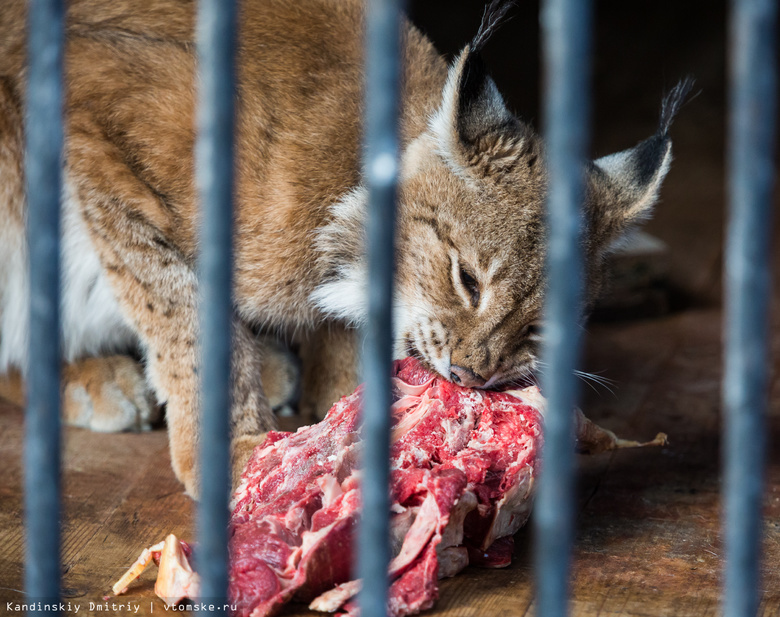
91,319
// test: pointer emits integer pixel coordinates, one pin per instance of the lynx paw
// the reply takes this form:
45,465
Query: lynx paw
242,448
280,375
108,395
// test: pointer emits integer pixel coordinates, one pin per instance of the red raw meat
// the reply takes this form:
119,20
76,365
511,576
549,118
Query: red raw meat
463,464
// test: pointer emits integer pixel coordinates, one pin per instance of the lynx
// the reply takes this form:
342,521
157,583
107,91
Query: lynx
471,224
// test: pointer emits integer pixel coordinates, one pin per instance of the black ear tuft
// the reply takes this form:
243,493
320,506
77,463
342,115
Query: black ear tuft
672,103
624,186
494,15
480,107
473,127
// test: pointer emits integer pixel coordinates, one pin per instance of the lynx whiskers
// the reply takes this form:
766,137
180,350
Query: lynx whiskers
471,230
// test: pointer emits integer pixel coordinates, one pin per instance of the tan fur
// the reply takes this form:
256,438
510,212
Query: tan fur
12,387
470,200
330,357
110,393
107,394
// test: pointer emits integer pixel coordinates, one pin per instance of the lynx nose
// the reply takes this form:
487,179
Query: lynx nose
465,377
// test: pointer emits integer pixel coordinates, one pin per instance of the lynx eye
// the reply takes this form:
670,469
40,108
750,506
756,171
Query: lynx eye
534,330
471,285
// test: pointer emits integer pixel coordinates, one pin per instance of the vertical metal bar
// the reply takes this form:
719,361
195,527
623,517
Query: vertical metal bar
381,175
215,171
753,77
566,26
43,130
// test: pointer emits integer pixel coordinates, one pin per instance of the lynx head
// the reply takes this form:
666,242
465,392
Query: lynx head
471,244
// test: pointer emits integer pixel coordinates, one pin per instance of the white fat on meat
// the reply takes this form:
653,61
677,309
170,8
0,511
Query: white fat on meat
453,532
512,510
176,580
452,560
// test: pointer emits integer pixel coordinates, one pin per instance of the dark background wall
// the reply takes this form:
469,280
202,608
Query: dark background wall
640,49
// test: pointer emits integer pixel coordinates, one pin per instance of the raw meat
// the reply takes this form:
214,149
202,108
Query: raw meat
463,464
175,579
463,467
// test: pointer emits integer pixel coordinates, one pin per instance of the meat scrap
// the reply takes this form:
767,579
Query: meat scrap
175,578
463,464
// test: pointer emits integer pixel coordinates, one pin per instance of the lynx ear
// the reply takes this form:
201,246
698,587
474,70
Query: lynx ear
624,186
474,131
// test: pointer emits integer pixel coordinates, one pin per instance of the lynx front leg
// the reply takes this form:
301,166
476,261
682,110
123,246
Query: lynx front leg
169,329
250,413
159,292
331,369
162,301
147,250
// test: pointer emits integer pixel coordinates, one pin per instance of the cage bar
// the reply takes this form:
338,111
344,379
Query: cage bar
43,169
381,175
566,31
216,43
752,100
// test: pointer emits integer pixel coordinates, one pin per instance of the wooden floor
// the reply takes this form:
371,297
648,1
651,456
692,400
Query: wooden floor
648,542
648,520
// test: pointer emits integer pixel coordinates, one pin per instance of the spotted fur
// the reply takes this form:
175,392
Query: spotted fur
471,234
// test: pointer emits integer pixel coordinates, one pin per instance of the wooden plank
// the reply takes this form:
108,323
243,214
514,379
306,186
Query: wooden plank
120,495
648,540
12,388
